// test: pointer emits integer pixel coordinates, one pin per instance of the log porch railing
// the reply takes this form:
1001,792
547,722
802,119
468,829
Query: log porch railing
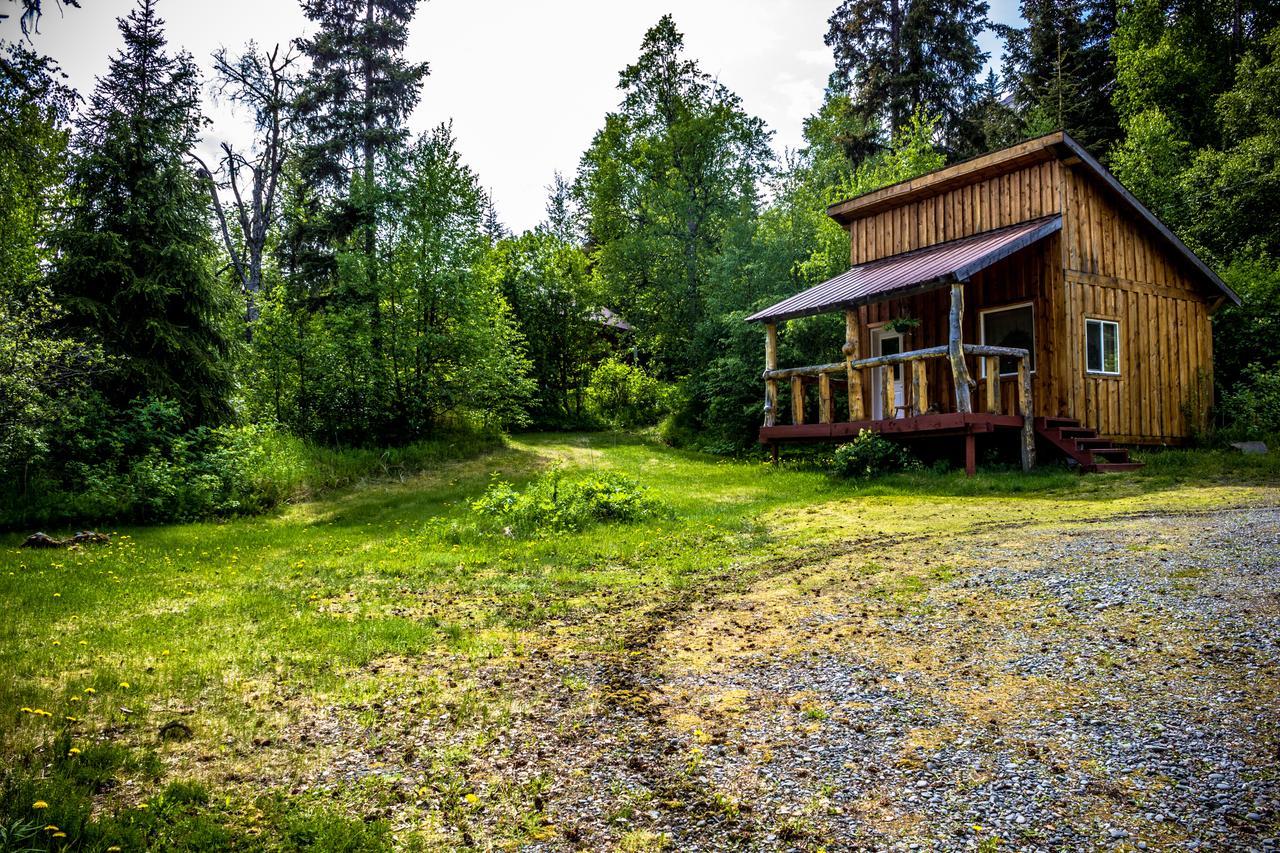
853,368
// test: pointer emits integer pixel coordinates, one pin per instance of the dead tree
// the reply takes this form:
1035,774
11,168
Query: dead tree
262,82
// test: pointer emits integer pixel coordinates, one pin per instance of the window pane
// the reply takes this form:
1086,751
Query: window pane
1012,328
1093,346
1111,347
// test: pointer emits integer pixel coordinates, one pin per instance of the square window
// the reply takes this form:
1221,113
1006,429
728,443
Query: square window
1015,327
1102,347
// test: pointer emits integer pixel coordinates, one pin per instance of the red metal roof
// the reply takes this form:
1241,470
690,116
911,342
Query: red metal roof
911,272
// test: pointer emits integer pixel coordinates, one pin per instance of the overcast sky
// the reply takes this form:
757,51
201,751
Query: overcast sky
525,83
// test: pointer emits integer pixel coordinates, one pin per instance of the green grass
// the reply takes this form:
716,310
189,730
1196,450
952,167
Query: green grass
249,630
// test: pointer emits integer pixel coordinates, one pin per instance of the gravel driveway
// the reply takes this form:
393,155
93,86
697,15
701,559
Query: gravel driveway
1105,685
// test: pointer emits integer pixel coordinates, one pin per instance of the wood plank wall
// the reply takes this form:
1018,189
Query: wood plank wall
1117,268
991,203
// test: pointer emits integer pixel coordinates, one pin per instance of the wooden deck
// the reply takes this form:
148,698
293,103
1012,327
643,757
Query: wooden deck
920,426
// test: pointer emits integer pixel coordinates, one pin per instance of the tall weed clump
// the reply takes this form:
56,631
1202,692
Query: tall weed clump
553,503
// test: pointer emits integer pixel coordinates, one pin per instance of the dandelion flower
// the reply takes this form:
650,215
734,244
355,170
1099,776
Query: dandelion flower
75,750
472,799
39,804
51,828
57,595
90,690
57,642
84,642
59,835
124,685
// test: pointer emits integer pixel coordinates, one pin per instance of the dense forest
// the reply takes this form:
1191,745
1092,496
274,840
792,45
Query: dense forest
177,336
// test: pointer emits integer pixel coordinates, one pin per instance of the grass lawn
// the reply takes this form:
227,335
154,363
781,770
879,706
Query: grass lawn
206,686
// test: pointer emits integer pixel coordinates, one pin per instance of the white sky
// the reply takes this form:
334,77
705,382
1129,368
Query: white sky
526,84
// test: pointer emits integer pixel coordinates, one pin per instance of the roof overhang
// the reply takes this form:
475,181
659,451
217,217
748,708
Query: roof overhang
917,271
1058,146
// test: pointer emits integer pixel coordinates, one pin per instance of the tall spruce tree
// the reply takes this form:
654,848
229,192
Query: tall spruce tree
1060,70
901,57
353,104
135,266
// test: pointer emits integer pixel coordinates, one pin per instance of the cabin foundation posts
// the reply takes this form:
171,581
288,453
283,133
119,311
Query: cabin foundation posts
853,378
955,352
970,454
771,385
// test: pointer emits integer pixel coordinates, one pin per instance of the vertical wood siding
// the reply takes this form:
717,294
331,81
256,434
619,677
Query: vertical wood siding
1116,268
997,201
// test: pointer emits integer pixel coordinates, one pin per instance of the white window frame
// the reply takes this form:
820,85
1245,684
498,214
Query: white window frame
982,333
1102,323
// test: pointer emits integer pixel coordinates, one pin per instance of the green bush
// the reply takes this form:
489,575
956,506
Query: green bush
1251,409
624,396
553,504
142,466
870,455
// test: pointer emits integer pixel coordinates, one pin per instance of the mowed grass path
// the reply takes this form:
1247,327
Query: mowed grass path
247,629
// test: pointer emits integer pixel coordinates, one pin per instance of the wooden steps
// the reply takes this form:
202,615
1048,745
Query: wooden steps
1090,451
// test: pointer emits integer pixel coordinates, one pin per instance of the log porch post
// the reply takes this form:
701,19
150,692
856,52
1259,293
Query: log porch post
771,385
853,377
993,383
959,370
919,387
1024,404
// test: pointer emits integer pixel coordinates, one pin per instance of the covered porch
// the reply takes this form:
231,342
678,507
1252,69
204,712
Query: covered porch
928,381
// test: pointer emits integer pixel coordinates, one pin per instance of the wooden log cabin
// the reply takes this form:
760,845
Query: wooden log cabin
1023,294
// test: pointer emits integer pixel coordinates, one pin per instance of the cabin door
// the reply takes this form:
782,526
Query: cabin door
885,342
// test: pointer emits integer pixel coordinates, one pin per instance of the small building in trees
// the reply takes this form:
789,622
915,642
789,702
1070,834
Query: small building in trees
1022,296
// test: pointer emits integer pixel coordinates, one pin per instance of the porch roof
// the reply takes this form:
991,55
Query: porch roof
911,272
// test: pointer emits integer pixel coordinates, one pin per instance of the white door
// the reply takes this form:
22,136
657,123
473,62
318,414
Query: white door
885,342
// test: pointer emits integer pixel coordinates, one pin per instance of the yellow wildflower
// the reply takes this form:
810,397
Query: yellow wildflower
57,642
90,690
51,828
472,799
39,804
59,835
124,685
75,750
57,595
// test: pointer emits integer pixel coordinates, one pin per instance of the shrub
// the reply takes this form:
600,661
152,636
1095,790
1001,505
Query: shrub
870,455
552,503
624,396
140,465
1251,409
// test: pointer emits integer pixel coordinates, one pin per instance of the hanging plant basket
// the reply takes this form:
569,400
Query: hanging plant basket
902,325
